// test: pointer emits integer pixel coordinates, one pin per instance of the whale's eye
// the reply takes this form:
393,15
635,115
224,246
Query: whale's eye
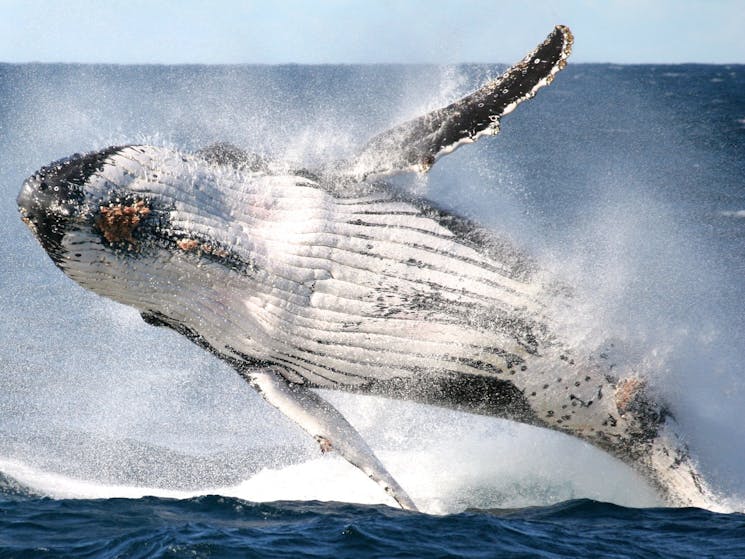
43,186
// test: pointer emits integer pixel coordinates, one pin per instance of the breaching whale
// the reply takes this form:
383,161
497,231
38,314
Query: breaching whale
329,278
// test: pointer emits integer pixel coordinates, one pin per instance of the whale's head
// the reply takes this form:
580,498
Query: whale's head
53,201
130,221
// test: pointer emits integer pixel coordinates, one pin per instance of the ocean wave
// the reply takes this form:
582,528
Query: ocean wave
214,526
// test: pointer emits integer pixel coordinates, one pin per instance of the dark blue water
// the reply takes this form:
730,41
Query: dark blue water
628,182
214,526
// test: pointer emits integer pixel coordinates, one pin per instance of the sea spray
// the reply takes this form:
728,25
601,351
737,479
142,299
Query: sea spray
616,203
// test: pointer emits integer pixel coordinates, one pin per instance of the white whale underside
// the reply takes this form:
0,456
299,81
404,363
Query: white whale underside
338,288
338,291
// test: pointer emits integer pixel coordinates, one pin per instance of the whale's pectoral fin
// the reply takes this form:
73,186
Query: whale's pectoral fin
327,426
417,144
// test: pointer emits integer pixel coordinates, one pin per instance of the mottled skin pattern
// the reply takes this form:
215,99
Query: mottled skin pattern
325,279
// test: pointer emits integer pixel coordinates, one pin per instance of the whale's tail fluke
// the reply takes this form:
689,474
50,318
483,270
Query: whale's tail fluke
415,145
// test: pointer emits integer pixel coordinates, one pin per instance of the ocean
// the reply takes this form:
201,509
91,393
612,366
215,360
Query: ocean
626,183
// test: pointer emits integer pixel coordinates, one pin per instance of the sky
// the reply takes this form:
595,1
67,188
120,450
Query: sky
366,31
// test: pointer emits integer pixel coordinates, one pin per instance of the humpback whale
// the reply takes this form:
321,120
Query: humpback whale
330,278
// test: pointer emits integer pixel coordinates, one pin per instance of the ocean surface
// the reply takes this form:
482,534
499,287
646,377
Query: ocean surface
626,183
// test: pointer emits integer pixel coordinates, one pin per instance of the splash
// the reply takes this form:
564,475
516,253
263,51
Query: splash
448,461
93,396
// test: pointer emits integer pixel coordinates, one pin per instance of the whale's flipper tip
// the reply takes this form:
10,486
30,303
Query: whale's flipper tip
329,427
416,145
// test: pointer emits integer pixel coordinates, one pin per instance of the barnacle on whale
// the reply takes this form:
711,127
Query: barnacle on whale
117,222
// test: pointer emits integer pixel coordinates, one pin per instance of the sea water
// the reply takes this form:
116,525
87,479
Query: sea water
626,183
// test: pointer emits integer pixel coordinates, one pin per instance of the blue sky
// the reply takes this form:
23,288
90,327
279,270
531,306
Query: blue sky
366,31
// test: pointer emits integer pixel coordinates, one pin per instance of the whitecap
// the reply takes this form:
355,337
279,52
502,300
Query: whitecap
736,214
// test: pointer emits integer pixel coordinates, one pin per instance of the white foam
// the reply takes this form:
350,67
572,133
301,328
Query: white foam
324,479
58,486
738,213
329,478
447,462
